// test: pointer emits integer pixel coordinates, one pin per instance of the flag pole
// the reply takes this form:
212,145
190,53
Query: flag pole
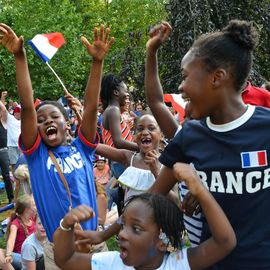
65,89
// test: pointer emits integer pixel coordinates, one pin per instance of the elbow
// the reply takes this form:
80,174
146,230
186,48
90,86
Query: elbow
229,243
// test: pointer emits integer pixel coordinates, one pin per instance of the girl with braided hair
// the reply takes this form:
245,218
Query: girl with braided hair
151,233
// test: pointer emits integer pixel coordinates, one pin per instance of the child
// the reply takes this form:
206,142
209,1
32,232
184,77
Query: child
20,226
229,146
32,248
141,167
102,171
151,233
45,129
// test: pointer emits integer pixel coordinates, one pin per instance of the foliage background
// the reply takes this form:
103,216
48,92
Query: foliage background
130,21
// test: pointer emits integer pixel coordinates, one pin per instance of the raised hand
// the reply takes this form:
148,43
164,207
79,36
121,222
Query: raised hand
158,35
101,45
10,40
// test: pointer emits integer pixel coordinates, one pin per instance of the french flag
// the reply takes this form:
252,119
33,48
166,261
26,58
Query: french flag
46,45
254,159
178,104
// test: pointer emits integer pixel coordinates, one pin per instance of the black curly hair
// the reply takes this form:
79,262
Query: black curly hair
167,216
231,49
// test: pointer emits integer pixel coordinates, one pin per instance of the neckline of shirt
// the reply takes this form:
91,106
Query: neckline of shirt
233,124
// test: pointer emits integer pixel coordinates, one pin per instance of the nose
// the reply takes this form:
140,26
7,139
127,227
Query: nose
180,88
123,235
48,121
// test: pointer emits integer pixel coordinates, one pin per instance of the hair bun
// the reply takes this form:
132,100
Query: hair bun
243,33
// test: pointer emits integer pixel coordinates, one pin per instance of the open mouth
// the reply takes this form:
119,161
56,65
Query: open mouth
123,253
146,141
51,132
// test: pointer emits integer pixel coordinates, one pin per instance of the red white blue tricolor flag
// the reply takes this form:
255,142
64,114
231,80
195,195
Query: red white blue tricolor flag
254,159
178,104
46,45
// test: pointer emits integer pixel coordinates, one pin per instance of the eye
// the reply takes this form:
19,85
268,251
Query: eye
152,128
40,120
136,229
139,129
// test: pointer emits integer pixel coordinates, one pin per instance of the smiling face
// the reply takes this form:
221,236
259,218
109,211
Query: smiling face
148,134
123,96
52,125
196,87
139,243
40,231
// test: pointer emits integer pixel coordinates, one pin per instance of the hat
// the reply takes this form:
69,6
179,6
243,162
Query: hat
17,109
100,158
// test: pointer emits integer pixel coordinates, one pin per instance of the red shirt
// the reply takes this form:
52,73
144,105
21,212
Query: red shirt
256,96
20,237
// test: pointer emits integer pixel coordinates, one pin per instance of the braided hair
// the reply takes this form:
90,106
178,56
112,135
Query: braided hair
167,216
109,83
22,203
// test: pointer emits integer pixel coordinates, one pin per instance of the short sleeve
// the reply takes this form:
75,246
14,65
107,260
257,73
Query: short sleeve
28,253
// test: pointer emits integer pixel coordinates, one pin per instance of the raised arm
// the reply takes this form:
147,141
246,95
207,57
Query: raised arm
223,238
28,115
98,51
153,88
3,112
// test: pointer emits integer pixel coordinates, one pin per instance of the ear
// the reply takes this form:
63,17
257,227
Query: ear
116,92
219,76
161,246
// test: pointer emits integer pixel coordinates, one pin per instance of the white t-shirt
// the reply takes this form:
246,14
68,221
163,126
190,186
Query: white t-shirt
111,260
13,130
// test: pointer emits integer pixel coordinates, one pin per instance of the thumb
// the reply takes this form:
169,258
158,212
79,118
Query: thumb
21,40
85,42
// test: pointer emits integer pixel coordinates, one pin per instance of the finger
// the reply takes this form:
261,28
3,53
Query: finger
111,42
85,42
101,32
107,31
82,241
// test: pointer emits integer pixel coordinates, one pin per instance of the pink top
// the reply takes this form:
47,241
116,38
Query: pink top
102,176
21,234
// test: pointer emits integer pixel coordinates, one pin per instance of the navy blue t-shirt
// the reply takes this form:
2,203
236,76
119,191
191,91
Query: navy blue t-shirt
233,160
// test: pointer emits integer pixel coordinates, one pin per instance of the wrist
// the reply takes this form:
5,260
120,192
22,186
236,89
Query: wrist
9,255
65,227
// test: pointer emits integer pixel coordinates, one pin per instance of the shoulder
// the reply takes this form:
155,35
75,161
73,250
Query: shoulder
109,259
176,260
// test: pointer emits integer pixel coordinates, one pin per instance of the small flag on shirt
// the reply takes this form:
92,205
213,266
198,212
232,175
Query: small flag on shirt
254,159
46,45
178,104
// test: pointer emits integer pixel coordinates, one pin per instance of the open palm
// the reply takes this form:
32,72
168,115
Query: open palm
10,40
101,44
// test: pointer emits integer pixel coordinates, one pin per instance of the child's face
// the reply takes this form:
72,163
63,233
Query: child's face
123,96
197,87
148,134
40,229
139,243
52,125
100,165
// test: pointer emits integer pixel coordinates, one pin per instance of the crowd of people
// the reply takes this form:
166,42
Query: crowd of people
189,195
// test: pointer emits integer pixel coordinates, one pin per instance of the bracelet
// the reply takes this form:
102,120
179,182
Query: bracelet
63,228
9,255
